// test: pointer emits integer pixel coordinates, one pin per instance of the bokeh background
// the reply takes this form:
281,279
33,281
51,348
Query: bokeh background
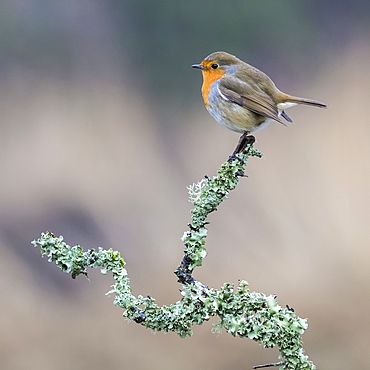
102,127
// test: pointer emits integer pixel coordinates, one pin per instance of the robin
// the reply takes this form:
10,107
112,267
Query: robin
243,98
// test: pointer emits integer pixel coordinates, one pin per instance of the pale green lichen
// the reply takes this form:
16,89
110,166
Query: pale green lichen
242,313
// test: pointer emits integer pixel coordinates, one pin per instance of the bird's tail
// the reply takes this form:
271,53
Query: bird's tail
314,103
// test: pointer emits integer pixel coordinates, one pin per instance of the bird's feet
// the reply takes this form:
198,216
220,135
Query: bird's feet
243,142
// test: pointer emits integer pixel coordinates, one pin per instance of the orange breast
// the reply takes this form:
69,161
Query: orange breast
209,77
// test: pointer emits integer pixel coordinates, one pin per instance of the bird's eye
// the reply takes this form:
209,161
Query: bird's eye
214,66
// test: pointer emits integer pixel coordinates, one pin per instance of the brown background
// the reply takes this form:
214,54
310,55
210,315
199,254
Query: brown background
102,128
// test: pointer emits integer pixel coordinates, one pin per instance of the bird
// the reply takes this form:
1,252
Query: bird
241,97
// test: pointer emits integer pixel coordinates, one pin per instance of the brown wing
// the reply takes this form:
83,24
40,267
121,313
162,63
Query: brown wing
284,115
248,97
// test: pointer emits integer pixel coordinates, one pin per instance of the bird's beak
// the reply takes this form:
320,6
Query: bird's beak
199,66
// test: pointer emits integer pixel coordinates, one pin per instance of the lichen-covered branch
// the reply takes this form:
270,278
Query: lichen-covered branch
241,312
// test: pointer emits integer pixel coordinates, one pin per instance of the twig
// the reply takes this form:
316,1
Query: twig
241,312
268,365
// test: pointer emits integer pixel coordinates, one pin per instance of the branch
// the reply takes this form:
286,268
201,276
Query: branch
242,313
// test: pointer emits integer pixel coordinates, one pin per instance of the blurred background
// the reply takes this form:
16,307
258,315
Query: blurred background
102,127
